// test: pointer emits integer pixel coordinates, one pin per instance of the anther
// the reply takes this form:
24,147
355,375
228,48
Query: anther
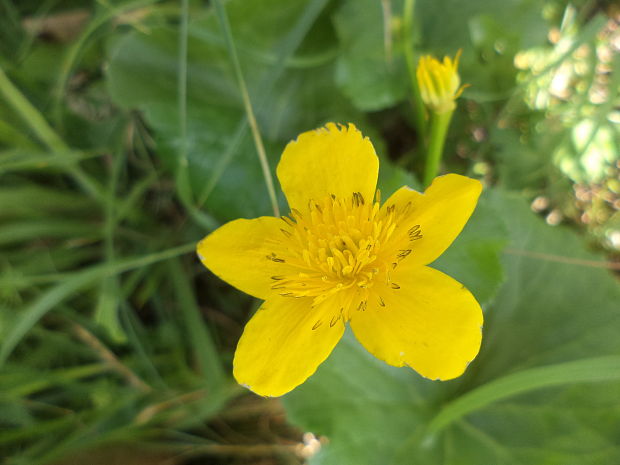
406,209
403,254
285,232
415,233
288,221
317,324
274,258
334,320
395,286
277,278
381,302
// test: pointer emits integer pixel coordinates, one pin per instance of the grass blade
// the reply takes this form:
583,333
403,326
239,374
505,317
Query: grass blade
579,371
199,336
44,131
73,283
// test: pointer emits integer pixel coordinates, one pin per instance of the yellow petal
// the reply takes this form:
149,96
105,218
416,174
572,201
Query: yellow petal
439,215
279,348
330,160
431,323
246,254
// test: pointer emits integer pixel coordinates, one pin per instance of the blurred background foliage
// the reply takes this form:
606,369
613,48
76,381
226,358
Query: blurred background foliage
124,139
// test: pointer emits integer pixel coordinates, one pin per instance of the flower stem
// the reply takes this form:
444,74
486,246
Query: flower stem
438,130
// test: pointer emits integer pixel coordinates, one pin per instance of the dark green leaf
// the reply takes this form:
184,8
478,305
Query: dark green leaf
371,73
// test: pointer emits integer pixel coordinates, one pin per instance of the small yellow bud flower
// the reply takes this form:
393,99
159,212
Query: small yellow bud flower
439,82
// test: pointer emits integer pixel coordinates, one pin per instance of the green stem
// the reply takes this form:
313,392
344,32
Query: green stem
182,179
419,112
437,138
258,141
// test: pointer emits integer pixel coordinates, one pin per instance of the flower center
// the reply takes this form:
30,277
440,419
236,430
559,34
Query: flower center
339,244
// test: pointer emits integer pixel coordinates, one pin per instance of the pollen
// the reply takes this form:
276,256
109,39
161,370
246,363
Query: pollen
341,247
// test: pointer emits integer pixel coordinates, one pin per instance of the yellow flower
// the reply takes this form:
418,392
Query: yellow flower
341,257
439,82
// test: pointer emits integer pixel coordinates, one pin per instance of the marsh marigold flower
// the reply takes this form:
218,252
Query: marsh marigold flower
439,82
341,257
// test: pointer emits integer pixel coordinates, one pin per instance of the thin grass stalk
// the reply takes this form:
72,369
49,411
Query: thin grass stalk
258,141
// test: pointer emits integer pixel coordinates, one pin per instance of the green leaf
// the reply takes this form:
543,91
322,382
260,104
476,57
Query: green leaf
447,24
543,390
223,166
371,76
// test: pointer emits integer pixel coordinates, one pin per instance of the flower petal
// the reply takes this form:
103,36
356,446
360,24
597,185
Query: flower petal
431,323
284,343
435,218
330,160
246,254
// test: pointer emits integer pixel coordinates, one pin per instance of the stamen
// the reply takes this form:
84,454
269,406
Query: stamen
406,209
274,258
415,233
342,245
288,221
317,324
